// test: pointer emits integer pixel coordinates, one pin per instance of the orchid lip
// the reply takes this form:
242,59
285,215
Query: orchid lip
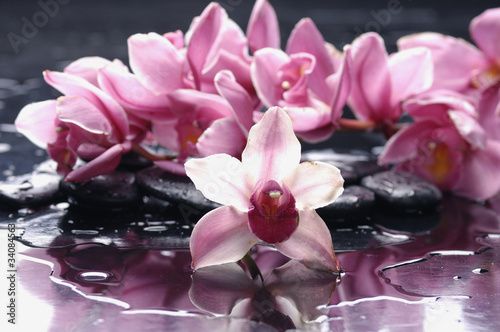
273,217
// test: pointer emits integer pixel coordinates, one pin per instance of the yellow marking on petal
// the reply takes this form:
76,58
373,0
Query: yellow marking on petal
286,85
274,194
442,162
486,78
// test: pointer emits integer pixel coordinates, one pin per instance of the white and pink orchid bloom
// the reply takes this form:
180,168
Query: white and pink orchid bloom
268,197
85,123
447,146
206,123
381,82
476,68
309,82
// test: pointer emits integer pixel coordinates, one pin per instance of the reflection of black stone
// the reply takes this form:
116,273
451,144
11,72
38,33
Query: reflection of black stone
409,223
402,192
174,188
356,202
112,191
30,190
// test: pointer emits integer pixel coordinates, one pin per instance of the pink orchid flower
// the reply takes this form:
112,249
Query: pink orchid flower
206,123
268,197
380,82
310,81
447,146
213,43
85,123
476,67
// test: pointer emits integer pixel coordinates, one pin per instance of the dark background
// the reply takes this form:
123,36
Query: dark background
77,28
90,27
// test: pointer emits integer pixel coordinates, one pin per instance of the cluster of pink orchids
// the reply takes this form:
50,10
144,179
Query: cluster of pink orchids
199,94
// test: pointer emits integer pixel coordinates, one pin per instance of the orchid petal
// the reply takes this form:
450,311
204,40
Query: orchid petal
76,86
171,166
263,71
370,93
36,121
272,150
221,178
185,101
485,31
158,64
314,184
205,39
221,236
234,40
469,128
103,164
166,134
223,136
311,243
307,118
87,68
239,66
480,178
340,82
435,104
125,88
82,113
411,73
176,38
317,135
406,143
306,38
237,97
263,27
450,71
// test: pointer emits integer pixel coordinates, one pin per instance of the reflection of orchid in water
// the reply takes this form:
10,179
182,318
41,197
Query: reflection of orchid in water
288,297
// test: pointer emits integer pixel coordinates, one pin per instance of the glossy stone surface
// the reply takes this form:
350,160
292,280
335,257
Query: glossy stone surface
173,188
356,202
402,192
117,190
31,190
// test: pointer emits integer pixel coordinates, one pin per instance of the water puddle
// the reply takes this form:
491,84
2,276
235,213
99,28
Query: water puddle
136,270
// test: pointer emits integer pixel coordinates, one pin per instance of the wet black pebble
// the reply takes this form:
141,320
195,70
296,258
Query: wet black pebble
353,165
114,191
31,190
174,188
402,192
356,202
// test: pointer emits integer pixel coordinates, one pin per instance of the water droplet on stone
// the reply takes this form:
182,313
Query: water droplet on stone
479,271
94,276
155,228
84,231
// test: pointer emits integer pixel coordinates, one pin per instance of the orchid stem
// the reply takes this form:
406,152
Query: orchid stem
357,125
252,267
148,155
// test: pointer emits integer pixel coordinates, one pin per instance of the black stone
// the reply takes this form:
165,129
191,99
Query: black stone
114,191
176,189
402,192
356,202
353,164
31,190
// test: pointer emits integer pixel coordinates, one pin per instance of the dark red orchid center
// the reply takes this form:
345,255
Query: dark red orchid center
272,215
